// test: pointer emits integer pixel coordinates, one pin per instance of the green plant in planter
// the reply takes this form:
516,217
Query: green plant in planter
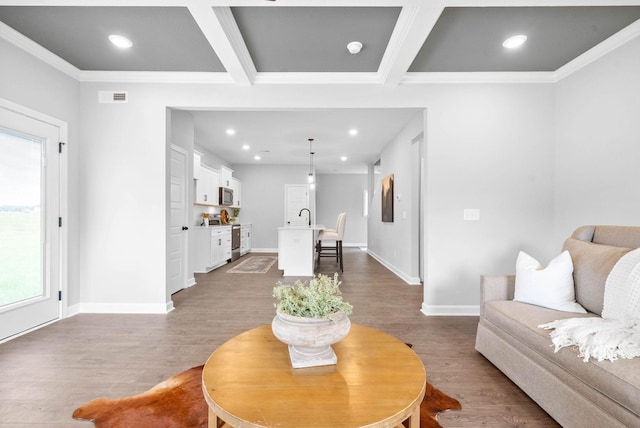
319,299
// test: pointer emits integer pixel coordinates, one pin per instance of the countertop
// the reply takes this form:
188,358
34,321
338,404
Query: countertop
312,227
222,225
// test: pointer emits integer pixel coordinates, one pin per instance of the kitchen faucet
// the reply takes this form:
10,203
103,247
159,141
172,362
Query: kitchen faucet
305,209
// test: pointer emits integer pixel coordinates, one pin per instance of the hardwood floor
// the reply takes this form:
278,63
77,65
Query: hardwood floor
48,373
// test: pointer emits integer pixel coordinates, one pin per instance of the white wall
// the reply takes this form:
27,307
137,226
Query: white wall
123,176
598,143
263,200
336,193
29,82
479,135
391,242
488,146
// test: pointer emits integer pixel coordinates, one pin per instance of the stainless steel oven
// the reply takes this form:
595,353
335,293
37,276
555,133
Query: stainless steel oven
235,242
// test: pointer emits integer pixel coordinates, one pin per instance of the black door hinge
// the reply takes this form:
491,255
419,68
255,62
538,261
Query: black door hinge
60,144
60,295
59,221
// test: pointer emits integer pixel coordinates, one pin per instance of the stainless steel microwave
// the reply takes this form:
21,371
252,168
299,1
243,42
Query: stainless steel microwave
226,196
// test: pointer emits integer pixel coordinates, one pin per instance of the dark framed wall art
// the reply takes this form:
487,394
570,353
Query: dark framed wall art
387,199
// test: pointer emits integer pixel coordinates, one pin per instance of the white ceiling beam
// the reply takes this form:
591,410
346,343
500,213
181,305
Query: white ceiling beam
222,33
412,29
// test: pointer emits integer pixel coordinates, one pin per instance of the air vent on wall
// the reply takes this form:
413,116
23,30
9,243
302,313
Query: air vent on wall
110,97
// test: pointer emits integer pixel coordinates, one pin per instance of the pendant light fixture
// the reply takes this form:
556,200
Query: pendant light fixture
311,178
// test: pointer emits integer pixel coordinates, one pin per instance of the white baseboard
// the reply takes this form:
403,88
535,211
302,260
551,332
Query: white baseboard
125,308
72,310
408,279
263,250
191,282
451,310
354,244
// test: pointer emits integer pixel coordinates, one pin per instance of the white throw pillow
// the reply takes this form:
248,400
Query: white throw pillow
551,287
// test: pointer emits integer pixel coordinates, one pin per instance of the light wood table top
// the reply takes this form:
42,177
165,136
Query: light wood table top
378,382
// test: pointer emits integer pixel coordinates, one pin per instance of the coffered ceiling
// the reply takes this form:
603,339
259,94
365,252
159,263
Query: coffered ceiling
260,42
248,42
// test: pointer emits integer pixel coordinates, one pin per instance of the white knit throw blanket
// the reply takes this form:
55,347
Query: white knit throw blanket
617,333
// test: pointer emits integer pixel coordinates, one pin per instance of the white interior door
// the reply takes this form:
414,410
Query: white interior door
30,223
178,235
296,198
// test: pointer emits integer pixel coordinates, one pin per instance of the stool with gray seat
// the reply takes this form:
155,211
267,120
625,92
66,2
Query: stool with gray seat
332,235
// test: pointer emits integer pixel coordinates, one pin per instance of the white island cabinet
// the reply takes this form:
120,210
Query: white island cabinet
296,249
213,247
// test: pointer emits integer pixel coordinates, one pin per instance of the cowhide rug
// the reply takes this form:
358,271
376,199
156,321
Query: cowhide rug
178,403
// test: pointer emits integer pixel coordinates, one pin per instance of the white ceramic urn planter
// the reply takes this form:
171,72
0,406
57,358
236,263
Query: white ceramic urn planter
310,339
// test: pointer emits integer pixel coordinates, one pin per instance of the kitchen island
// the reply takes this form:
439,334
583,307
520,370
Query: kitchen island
296,249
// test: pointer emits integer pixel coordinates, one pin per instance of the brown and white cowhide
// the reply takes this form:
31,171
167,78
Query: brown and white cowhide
178,403
174,403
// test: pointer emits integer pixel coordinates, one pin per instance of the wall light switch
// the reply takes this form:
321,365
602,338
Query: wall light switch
471,214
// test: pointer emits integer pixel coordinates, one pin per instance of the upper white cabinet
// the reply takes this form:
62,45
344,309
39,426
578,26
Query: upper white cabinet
210,179
207,186
225,176
236,186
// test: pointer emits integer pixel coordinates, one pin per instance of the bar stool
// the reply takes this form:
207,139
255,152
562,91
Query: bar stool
332,235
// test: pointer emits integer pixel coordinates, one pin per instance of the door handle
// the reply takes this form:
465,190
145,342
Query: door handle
185,228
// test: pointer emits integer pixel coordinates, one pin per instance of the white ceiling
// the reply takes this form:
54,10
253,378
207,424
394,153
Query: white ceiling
281,137
259,42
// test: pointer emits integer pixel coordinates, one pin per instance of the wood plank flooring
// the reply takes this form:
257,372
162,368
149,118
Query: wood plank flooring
48,373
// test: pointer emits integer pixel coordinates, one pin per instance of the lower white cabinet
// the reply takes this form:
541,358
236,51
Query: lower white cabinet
212,247
245,239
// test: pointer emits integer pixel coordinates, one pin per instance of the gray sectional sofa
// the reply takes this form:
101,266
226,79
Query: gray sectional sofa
575,393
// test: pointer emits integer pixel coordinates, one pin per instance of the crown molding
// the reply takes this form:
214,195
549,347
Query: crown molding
155,77
318,78
478,77
623,36
31,47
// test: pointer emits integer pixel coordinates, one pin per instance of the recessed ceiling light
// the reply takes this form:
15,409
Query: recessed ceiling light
256,157
353,132
343,158
515,41
231,131
120,41
245,147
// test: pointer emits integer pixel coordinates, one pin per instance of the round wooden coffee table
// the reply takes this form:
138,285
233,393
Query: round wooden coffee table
378,382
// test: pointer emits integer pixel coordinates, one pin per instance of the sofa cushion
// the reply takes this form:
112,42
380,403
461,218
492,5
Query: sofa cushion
618,380
550,287
591,266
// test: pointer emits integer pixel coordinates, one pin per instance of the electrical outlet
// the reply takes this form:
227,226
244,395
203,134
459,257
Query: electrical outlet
471,214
